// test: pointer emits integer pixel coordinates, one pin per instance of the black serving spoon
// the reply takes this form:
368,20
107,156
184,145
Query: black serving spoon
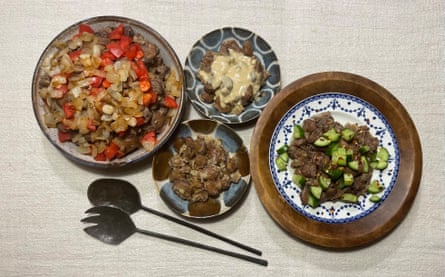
114,225
122,194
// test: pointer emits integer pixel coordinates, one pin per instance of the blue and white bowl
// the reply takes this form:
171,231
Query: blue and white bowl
212,42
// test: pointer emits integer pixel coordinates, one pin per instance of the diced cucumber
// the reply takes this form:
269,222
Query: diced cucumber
379,164
283,149
375,198
332,135
299,180
349,197
349,154
324,182
379,160
316,191
347,134
312,201
281,162
298,132
382,154
335,173
364,162
322,142
348,179
331,148
353,165
375,187
339,157
364,149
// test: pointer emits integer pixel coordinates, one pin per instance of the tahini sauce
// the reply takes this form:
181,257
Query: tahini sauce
230,76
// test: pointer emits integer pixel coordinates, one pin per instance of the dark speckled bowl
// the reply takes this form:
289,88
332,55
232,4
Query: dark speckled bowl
212,42
214,206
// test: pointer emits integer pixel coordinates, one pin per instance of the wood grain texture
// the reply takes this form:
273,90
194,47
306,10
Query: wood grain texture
377,224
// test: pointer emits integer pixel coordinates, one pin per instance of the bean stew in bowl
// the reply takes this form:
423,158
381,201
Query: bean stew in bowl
108,91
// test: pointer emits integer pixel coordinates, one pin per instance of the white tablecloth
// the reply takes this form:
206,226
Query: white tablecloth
398,44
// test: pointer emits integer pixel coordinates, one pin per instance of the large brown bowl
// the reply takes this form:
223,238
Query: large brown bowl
371,227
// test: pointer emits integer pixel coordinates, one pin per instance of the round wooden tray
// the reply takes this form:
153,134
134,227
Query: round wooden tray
385,218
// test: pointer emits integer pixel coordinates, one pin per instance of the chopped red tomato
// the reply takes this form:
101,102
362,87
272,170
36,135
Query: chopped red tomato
96,91
144,85
149,140
170,102
115,49
140,121
100,157
85,28
91,125
96,81
125,42
111,151
69,110
75,54
63,136
117,32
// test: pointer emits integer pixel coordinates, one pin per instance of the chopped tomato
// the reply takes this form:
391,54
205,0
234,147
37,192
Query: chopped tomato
117,32
85,28
96,81
132,51
115,49
91,125
100,157
69,110
149,98
106,83
111,151
149,140
124,43
63,136
140,121
144,85
170,102
75,54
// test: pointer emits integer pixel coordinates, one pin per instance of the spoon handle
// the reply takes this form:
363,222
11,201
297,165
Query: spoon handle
202,230
203,246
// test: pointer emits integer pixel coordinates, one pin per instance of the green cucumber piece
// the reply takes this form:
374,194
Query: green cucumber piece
312,201
332,135
281,163
283,149
324,182
347,134
322,142
349,197
348,179
298,132
331,148
316,191
375,198
365,165
382,154
375,187
353,165
299,180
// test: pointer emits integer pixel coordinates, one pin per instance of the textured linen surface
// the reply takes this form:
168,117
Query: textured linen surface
398,44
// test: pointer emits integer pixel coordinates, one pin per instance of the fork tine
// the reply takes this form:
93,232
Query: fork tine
95,210
92,219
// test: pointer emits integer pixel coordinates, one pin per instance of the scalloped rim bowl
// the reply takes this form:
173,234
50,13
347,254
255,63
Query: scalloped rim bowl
170,59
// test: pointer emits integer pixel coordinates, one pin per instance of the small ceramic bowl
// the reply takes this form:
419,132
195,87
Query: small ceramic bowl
226,200
212,42
170,59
